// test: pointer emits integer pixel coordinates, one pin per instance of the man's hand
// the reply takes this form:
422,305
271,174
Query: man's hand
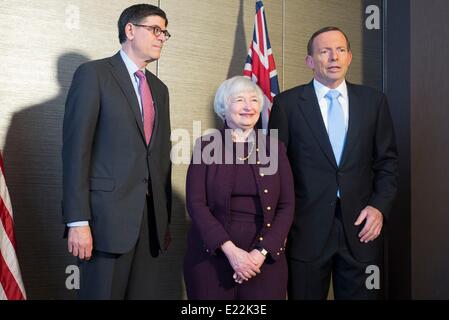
373,224
80,242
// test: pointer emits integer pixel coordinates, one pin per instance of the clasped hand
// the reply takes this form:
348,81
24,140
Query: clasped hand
245,264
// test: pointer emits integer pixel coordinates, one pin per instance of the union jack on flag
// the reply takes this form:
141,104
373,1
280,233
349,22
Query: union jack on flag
259,65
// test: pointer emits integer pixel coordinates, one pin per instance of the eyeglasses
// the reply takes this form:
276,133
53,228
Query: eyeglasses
156,30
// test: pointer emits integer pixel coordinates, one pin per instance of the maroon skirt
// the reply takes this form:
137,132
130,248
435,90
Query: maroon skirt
211,277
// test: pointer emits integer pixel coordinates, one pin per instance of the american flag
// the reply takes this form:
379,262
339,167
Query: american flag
259,65
11,285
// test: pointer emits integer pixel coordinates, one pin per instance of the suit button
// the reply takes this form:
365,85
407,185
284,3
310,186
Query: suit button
281,249
261,239
265,191
257,149
258,162
332,203
145,180
277,253
268,225
268,208
261,174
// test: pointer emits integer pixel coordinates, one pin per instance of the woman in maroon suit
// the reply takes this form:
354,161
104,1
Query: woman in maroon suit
241,201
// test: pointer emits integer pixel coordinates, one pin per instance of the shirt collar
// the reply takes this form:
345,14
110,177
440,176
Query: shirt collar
321,90
130,65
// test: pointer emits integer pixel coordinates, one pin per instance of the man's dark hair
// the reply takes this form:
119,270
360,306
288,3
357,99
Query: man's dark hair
135,14
323,30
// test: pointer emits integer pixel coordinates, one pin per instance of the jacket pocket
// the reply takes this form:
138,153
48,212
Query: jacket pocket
102,184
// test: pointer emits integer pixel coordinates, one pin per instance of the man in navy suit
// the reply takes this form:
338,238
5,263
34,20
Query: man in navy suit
116,162
341,146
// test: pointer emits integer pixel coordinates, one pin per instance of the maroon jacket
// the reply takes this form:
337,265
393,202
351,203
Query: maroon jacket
208,194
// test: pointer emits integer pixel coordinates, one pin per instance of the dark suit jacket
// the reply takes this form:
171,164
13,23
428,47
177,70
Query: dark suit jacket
107,166
208,196
367,174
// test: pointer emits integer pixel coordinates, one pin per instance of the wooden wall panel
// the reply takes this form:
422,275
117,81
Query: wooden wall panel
303,18
429,149
209,44
43,47
397,88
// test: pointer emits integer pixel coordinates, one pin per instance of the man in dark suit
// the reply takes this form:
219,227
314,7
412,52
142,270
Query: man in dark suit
341,146
116,162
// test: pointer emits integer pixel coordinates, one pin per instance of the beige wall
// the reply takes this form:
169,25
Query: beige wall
43,46
303,18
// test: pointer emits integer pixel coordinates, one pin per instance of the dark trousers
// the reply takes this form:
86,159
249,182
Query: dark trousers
124,276
311,280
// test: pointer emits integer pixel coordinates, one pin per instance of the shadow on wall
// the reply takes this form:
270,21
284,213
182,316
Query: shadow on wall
33,163
34,172
238,56
170,283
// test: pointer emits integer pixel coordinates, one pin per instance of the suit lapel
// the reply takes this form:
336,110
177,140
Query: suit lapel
157,104
121,75
355,120
311,110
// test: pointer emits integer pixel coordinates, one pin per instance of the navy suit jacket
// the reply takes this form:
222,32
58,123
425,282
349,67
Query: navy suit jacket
367,174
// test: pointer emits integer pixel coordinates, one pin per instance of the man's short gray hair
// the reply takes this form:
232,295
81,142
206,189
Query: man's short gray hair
232,87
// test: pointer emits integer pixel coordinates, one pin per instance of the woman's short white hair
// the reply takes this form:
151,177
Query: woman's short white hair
232,87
